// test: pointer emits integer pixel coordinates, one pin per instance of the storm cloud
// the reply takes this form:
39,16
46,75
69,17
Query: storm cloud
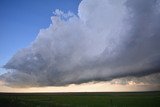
108,39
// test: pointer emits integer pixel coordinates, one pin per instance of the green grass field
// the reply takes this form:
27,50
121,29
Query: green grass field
126,99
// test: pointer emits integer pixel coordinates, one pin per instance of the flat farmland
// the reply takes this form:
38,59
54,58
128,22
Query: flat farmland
91,99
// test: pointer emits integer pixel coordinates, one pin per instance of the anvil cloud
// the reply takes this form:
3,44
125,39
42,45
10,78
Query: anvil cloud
108,39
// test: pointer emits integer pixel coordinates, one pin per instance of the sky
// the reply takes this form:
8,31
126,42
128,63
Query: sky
21,21
79,45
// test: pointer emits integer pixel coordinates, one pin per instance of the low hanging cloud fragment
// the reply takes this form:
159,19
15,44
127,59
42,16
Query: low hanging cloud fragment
106,40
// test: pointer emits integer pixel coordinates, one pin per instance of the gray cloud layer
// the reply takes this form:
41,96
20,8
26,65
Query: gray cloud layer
108,39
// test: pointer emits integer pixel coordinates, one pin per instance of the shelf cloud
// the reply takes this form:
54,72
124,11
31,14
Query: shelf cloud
107,39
